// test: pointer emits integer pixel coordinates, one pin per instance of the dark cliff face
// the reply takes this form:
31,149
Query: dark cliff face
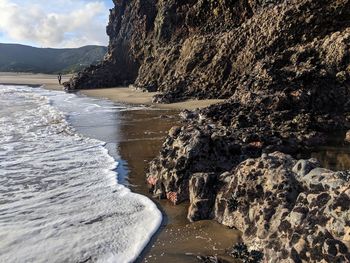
221,48
154,42
127,27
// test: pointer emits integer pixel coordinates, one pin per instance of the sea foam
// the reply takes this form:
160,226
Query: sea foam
60,200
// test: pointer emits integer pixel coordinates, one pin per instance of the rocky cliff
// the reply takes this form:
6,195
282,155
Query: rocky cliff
218,48
284,68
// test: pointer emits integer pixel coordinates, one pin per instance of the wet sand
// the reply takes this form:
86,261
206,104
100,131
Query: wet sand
142,133
131,96
119,94
140,136
48,81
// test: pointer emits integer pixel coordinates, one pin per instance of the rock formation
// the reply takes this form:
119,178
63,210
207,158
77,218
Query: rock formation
284,68
219,48
347,137
292,211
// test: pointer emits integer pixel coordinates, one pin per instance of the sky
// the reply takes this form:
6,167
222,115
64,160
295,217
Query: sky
54,23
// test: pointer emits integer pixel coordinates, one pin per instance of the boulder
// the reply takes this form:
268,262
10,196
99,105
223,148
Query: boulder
288,217
347,137
202,188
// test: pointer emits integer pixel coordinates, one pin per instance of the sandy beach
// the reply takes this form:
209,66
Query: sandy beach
119,94
142,133
48,81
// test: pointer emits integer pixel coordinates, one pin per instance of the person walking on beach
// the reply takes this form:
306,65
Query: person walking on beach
59,77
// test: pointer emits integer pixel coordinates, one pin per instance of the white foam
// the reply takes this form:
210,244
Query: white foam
59,196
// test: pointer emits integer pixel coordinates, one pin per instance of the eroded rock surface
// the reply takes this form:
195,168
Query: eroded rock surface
202,188
288,213
287,51
347,137
289,210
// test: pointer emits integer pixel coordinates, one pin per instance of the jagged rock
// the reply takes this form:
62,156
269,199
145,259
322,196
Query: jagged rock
188,151
202,188
285,52
241,251
216,144
347,136
288,217
213,259
303,167
129,23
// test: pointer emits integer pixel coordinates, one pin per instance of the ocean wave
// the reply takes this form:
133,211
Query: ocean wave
59,196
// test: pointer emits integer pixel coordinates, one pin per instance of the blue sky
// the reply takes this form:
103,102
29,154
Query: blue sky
54,23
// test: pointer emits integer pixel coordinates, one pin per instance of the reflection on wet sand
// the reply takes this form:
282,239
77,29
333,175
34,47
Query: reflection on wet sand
142,134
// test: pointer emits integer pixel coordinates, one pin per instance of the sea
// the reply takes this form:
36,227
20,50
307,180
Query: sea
61,197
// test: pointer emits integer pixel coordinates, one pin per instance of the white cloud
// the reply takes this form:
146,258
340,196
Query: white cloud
60,23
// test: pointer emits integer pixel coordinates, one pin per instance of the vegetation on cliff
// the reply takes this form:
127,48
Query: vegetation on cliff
20,58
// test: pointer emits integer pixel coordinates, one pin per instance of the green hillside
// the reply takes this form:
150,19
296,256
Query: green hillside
20,58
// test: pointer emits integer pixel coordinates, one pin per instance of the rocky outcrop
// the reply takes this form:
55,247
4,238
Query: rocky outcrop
202,192
288,85
295,42
146,38
277,50
217,139
127,29
288,210
291,211
275,200
347,137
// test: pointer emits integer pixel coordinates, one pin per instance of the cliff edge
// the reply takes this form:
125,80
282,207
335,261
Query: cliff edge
215,48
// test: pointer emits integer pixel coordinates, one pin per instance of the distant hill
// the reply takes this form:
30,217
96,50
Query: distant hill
20,58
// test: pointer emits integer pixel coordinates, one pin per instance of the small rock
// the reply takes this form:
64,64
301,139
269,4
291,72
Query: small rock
303,167
347,137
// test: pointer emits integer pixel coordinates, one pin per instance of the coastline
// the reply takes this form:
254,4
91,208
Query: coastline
125,95
260,174
48,81
142,134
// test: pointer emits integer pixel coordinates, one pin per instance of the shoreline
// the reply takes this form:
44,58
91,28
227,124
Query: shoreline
177,238
125,95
